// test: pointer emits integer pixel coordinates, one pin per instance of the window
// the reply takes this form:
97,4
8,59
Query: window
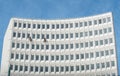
62,57
109,29
106,52
33,36
92,66
46,69
108,19
66,68
53,26
101,42
41,69
23,35
96,32
19,35
86,44
86,55
24,25
81,45
43,26
32,57
57,26
16,67
34,26
66,25
18,45
87,67
86,34
82,56
102,53
37,46
19,25
77,68
37,57
36,68
27,46
100,31
57,46
71,57
66,35
71,35
66,46
52,47
103,65
81,34
29,25
104,20
106,41
111,51
112,63
31,68
26,57
15,24
91,43
52,57
21,56
62,36
42,57
11,67
57,69
90,33
77,56
96,43
91,55
62,46
82,67
12,55
97,66
61,68
95,22
38,36
71,25
62,26
105,30
76,35
67,57
14,34
76,25
100,21
81,24
57,36
33,46
57,57
38,26
71,46
97,54
110,40
22,46
46,57
42,47
107,64
21,68
71,68
48,26
77,45
47,36
90,23
85,23
13,44
53,36
52,69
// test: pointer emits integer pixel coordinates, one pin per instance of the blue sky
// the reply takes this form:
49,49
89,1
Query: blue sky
57,9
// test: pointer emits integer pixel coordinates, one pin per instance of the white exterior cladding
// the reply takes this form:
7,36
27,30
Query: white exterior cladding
74,47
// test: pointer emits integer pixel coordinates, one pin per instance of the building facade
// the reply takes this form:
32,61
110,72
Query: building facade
69,47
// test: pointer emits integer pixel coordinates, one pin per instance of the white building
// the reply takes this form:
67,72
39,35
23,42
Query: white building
69,47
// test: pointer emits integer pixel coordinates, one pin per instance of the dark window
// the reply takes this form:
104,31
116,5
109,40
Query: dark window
14,34
34,26
24,25
15,24
38,26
